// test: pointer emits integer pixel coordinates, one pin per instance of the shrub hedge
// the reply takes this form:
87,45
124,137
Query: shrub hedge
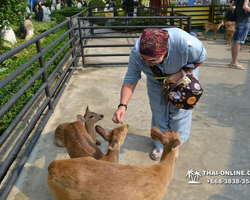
13,63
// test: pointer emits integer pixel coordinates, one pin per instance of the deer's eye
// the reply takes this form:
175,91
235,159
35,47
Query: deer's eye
91,116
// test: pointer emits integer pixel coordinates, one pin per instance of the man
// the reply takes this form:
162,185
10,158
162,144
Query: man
242,25
174,52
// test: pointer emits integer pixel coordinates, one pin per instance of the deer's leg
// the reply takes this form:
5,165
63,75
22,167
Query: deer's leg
204,36
214,35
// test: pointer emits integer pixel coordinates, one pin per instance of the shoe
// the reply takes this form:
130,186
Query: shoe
230,64
177,154
237,66
157,153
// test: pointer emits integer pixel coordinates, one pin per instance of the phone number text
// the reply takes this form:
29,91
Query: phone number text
228,181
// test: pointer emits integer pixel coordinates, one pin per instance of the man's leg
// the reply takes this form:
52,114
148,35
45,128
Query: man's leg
241,30
235,52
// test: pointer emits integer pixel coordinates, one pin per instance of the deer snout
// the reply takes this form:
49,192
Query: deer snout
101,116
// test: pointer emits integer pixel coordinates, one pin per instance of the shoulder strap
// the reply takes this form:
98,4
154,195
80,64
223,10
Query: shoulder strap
157,72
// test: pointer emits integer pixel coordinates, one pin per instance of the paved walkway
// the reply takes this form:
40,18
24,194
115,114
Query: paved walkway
219,137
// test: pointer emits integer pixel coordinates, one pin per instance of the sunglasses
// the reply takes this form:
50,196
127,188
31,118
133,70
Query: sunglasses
158,60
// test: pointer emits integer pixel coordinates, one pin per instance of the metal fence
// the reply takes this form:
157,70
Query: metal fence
45,99
152,18
80,28
201,14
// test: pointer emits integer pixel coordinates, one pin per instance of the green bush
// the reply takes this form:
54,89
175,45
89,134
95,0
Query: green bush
13,63
13,11
117,2
100,3
96,3
57,17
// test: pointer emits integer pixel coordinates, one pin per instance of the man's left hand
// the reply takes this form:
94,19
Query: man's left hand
173,78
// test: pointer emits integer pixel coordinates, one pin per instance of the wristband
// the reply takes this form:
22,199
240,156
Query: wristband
121,104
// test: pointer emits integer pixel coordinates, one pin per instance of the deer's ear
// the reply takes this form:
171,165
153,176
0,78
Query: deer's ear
87,109
175,144
156,134
80,118
102,132
113,145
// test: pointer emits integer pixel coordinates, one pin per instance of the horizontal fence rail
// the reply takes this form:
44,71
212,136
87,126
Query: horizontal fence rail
122,31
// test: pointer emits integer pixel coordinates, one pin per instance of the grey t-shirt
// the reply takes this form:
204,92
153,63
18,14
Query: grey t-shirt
242,15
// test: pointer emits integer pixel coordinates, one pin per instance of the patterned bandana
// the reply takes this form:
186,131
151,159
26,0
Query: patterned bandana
153,42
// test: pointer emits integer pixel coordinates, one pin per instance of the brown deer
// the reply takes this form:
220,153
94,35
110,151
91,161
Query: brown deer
80,144
87,178
229,34
210,26
226,25
89,119
115,138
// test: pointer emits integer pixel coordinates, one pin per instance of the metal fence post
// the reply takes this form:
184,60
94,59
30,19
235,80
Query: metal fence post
90,21
45,79
213,8
157,14
72,44
189,24
126,14
211,14
80,33
171,20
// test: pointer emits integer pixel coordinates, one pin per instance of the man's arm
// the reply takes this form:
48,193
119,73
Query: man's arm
232,5
127,92
133,75
246,6
190,69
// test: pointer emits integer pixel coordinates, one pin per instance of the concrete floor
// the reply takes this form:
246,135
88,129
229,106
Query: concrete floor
219,137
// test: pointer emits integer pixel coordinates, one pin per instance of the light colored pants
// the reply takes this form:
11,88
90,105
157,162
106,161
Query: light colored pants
166,116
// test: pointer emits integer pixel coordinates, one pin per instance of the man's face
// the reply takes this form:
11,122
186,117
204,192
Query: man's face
151,61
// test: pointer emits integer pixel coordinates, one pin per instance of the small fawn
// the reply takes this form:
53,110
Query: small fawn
80,144
89,119
210,26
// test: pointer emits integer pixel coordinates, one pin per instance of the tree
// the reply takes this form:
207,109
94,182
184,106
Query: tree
12,11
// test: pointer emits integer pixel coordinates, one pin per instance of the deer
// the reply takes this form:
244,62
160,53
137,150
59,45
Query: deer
88,178
210,26
228,24
79,143
89,119
229,34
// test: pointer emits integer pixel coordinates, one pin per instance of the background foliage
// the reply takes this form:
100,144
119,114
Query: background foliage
12,10
13,63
